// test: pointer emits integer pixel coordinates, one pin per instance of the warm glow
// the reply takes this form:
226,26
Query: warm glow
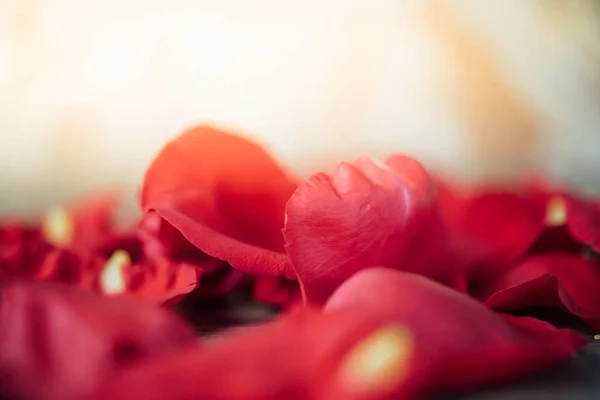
91,90
379,362
117,60
556,212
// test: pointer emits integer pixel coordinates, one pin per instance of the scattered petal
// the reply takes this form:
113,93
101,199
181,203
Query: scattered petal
162,279
372,348
161,240
489,227
413,173
449,328
225,194
59,343
293,358
584,221
551,280
22,249
359,214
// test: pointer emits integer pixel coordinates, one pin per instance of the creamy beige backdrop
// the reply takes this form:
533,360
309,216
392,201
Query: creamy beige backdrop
90,89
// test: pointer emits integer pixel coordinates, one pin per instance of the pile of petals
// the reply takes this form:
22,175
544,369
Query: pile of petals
380,281
79,245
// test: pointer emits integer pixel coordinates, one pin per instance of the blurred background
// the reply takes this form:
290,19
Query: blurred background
481,90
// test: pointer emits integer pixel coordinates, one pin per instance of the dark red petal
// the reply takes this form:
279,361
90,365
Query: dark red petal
58,343
12,243
492,226
292,358
22,250
237,253
451,329
78,268
541,280
583,221
160,239
456,344
225,194
555,238
358,215
535,292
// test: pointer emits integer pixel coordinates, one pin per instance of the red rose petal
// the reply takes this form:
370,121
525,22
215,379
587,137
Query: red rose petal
413,173
539,291
164,279
11,248
160,239
292,358
376,347
242,256
22,250
154,280
430,247
78,268
540,280
583,221
58,343
451,329
225,194
581,217
491,227
360,214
